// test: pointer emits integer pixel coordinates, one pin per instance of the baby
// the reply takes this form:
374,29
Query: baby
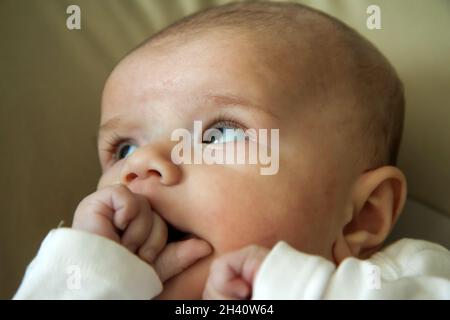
314,229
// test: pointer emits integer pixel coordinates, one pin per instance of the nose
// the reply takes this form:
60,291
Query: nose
150,160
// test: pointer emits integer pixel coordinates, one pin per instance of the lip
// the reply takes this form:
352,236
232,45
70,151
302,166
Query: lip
174,234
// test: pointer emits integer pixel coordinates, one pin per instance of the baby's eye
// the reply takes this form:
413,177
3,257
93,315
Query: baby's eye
223,132
123,150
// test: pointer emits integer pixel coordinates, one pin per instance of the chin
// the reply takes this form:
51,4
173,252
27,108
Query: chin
187,285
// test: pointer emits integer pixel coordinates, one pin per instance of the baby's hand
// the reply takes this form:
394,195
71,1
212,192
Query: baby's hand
127,218
118,214
231,276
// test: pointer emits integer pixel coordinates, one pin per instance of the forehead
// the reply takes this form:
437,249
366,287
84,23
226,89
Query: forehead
214,64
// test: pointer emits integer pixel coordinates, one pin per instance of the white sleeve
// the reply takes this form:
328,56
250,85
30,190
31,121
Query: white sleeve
73,264
407,269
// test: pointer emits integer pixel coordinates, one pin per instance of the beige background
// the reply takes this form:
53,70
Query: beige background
51,80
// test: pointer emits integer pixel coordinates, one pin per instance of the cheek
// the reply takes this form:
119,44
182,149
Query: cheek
236,207
243,228
311,219
230,211
110,176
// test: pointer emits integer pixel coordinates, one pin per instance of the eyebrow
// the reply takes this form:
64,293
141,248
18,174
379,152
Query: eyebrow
228,100
220,100
111,125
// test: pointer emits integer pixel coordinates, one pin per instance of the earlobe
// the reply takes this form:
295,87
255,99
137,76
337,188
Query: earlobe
378,198
341,250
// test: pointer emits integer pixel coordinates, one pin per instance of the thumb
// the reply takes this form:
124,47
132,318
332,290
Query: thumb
179,255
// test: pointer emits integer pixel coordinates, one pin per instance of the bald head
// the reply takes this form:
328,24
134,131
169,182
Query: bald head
345,65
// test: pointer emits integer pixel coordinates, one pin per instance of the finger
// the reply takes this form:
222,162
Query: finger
107,210
236,289
210,293
95,214
177,256
127,206
155,241
227,267
253,262
115,203
98,225
92,205
138,229
243,263
231,275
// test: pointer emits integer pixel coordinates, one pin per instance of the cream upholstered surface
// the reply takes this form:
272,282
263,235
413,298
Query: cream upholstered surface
51,81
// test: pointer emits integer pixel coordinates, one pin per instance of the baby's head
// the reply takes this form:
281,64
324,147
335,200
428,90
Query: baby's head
335,99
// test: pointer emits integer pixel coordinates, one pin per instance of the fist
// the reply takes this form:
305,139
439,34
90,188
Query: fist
118,214
231,276
127,218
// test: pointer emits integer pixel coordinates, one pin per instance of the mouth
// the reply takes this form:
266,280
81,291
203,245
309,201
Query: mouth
174,234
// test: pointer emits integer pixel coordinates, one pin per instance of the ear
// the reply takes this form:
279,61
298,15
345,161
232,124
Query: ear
377,199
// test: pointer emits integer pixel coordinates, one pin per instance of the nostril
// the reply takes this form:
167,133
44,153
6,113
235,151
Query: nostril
130,177
154,172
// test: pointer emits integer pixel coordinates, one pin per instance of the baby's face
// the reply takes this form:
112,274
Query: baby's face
157,90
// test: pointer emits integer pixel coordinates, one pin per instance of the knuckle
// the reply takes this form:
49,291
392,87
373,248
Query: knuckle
128,200
87,200
143,201
119,187
149,253
121,191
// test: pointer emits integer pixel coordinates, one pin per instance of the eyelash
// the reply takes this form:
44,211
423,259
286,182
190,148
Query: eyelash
115,140
113,143
226,121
